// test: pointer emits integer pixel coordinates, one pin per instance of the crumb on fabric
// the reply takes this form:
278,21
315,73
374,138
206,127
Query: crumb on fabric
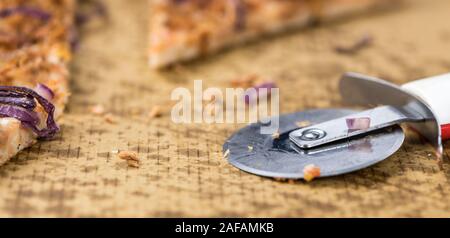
131,158
155,112
110,118
98,109
250,148
310,172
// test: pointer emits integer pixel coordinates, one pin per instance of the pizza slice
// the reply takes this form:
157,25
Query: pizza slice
35,49
185,29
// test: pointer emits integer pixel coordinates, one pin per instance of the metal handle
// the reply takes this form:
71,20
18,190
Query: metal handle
336,129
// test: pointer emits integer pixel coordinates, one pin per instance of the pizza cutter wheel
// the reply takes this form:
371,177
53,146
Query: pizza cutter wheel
327,142
281,158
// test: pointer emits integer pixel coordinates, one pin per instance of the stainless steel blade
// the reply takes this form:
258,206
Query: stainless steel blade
281,158
363,90
336,129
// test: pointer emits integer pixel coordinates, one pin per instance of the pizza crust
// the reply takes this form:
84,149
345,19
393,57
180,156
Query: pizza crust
44,62
335,9
183,30
13,138
183,50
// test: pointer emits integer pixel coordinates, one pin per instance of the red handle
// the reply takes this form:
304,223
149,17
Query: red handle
445,131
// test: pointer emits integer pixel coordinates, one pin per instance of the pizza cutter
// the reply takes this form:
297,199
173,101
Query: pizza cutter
329,144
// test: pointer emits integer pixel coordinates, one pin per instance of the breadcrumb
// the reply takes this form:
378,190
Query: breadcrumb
155,112
110,118
131,158
310,172
97,109
250,148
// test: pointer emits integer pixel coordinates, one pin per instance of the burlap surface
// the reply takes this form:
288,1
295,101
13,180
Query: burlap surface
182,171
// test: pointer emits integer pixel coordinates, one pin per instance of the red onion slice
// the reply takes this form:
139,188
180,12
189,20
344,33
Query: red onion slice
23,102
360,123
241,14
27,11
12,98
26,115
44,91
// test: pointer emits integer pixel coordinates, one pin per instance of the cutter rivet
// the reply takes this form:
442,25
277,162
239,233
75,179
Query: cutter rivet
313,134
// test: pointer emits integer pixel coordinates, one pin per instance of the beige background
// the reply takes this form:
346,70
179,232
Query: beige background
182,172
